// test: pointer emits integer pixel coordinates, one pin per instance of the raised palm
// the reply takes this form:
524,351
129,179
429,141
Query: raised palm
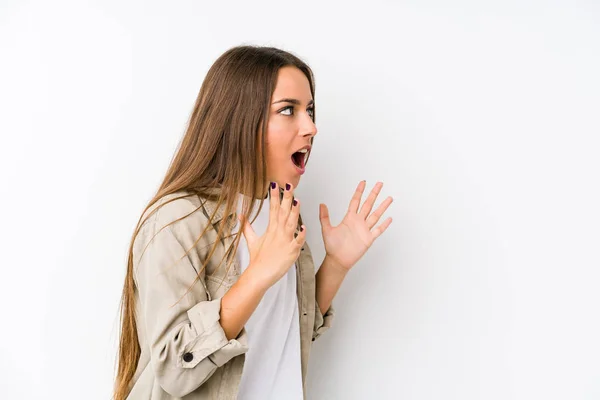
347,242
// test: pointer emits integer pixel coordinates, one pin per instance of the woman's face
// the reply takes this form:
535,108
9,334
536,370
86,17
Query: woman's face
290,127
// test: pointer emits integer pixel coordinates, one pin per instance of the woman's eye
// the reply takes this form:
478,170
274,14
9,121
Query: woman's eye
290,109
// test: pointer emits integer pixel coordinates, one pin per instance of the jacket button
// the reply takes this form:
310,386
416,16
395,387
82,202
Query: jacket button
188,357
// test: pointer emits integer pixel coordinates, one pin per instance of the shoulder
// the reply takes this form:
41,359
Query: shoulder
178,216
173,207
179,211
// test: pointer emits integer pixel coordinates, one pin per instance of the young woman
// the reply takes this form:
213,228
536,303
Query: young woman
203,316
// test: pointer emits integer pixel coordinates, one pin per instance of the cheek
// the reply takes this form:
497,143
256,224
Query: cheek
278,141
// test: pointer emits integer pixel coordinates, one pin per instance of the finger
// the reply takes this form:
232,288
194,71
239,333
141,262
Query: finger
381,228
286,203
324,217
355,201
301,238
274,205
368,204
373,218
292,221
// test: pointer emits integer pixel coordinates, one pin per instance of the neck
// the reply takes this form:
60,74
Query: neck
258,195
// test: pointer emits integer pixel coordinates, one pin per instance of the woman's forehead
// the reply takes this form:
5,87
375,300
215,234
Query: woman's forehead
292,84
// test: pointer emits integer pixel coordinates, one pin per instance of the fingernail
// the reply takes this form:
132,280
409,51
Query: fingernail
273,185
287,186
301,229
295,202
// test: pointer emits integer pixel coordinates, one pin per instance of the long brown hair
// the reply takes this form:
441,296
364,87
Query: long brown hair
223,147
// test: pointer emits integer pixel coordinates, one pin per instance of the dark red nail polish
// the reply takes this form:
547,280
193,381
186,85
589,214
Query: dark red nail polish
273,184
287,186
301,229
295,202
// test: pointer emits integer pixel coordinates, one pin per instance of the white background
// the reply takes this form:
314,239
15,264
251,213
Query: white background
481,118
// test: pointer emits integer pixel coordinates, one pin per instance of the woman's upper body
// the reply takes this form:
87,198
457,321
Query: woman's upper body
184,351
183,310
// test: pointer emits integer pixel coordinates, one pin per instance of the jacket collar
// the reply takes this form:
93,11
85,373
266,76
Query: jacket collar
211,206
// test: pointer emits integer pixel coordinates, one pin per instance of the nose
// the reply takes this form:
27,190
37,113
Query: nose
308,127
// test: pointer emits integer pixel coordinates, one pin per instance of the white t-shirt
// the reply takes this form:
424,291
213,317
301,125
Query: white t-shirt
272,369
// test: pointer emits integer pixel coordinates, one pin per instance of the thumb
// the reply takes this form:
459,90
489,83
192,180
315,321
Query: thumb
324,217
247,231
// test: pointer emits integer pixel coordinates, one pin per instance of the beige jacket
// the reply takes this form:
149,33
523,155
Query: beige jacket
184,351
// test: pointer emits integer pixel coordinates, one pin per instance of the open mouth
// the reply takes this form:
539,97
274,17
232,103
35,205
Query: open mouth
299,158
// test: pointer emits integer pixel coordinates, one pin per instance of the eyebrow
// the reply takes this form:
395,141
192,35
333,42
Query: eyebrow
293,101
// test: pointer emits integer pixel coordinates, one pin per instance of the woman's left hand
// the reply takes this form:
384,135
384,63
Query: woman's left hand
346,243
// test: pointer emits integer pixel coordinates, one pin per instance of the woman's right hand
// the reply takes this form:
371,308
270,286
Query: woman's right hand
272,254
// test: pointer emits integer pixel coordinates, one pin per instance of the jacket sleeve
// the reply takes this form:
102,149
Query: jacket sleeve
322,322
187,342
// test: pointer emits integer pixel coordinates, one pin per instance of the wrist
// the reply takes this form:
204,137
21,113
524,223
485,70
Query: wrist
253,277
335,265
